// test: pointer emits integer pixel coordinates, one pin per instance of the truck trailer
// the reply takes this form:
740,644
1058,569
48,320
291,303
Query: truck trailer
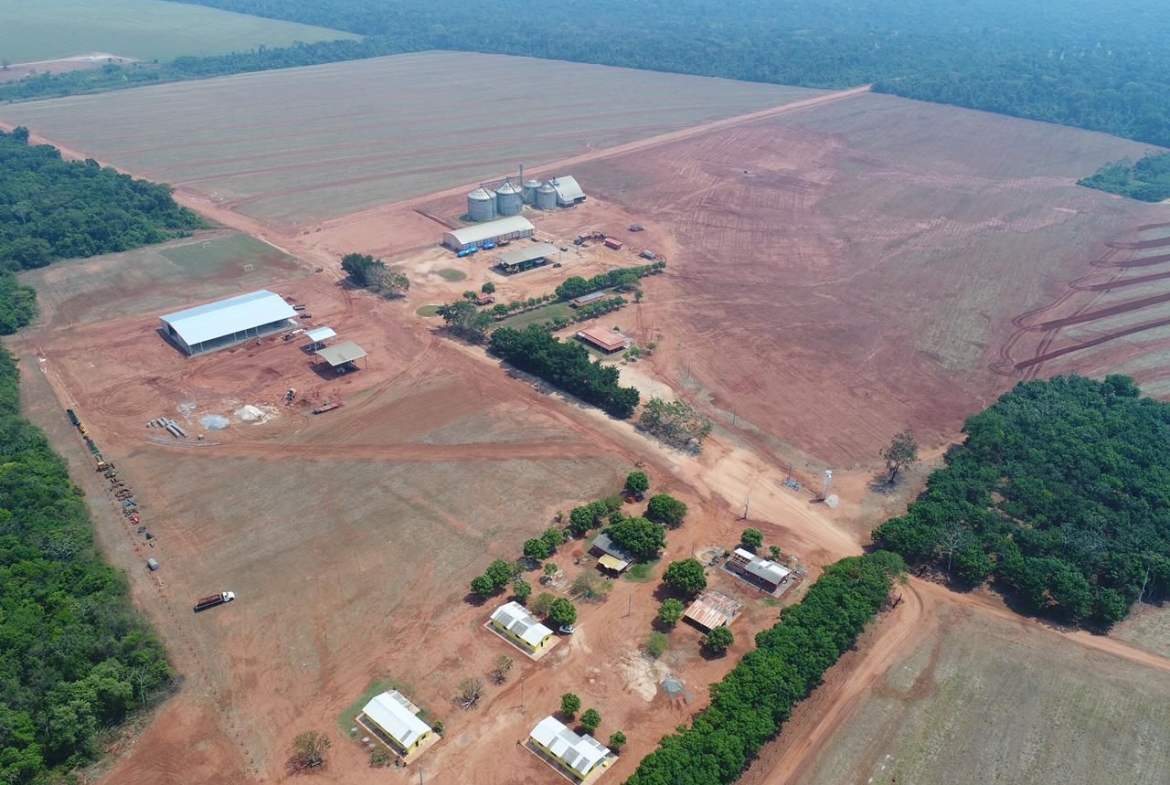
211,600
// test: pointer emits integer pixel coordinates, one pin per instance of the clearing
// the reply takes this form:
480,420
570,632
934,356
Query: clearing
137,29
296,146
844,271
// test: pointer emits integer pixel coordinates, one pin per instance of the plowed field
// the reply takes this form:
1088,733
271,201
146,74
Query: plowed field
295,146
843,272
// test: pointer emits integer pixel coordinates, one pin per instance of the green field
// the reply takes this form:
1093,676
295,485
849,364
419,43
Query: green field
138,29
83,291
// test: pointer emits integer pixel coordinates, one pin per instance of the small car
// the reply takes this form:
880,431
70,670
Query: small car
566,629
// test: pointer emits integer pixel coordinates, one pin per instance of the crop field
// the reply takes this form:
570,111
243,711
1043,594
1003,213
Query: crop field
845,271
982,699
168,276
296,146
139,29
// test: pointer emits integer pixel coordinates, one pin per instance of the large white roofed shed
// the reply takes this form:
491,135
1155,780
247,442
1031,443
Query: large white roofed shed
205,328
390,714
568,190
514,227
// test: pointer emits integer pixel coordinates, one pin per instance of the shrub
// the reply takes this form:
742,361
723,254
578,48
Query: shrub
670,612
656,644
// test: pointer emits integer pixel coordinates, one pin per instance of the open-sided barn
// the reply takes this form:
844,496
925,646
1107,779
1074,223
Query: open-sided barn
224,323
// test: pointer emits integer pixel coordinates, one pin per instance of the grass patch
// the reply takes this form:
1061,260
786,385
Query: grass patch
541,314
643,572
452,275
428,310
345,720
772,602
213,256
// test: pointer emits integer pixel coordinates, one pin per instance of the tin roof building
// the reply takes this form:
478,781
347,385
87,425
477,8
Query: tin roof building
518,625
568,191
763,572
391,713
579,755
224,323
514,227
605,340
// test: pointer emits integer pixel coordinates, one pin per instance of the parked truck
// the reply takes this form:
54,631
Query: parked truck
211,600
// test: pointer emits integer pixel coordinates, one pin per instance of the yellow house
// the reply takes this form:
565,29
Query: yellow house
579,755
514,621
390,714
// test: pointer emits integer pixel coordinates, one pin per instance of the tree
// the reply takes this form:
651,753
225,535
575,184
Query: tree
482,586
309,750
536,549
470,691
362,269
637,483
639,537
522,590
901,454
500,668
718,640
590,720
687,577
562,612
488,288
470,296
774,550
581,520
617,740
675,422
753,539
550,569
670,611
664,508
464,319
542,605
553,538
570,705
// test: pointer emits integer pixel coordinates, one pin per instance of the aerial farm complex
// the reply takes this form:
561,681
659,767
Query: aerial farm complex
487,480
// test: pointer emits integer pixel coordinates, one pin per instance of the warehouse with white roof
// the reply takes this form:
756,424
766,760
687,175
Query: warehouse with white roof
489,234
580,755
206,328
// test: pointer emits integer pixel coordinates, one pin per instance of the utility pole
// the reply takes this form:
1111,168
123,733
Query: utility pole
420,775
630,610
521,693
747,506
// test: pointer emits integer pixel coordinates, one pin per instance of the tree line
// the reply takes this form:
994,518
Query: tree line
1099,66
750,705
1148,180
567,366
76,657
54,209
1058,494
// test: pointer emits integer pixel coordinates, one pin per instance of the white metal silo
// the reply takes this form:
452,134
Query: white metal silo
546,197
530,187
481,205
509,199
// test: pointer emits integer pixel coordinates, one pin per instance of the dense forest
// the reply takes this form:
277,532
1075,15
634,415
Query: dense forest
54,209
1101,66
1148,180
749,706
566,365
1060,493
76,659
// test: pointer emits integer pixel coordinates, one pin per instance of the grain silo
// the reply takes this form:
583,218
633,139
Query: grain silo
530,187
481,205
509,199
546,197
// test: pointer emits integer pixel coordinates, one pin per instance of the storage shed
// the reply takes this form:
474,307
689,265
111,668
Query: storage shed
224,323
514,227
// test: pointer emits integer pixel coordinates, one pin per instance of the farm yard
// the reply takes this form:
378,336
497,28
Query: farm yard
139,30
975,697
349,538
297,146
847,270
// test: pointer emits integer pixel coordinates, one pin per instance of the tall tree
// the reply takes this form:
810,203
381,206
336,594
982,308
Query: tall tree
901,453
